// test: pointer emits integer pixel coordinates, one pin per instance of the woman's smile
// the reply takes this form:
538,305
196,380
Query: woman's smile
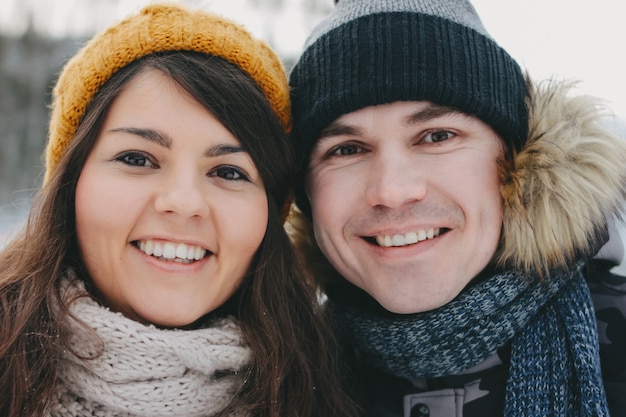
172,251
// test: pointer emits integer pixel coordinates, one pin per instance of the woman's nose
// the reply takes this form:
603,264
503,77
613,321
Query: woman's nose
182,193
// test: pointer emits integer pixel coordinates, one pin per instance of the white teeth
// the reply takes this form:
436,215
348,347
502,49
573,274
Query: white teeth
410,238
407,239
148,247
170,251
158,250
181,251
190,252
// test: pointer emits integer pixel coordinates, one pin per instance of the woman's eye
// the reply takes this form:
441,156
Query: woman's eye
438,136
346,150
137,159
230,173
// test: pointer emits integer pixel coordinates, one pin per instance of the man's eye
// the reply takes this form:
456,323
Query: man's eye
137,159
346,150
230,173
438,136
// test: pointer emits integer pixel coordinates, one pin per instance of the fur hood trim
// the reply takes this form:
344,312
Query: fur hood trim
557,191
569,175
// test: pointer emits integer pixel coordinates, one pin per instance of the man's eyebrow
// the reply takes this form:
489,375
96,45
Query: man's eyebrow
339,129
431,112
148,134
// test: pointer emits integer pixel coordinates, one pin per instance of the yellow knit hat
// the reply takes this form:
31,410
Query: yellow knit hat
158,28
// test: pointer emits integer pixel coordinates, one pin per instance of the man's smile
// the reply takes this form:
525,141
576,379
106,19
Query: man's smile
407,238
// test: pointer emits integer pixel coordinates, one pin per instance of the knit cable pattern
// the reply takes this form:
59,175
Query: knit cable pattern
146,371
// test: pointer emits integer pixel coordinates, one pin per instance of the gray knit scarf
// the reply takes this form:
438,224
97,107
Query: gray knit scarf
146,371
555,365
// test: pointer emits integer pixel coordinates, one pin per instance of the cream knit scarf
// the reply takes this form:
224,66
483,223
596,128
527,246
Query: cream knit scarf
145,371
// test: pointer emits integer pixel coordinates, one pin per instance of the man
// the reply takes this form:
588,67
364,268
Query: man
457,204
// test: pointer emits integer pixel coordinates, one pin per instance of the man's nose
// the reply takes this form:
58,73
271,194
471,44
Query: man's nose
395,178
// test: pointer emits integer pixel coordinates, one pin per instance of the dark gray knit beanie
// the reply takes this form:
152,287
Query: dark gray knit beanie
370,52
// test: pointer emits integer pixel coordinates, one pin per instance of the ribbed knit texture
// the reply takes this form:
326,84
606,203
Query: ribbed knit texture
555,365
370,52
158,28
145,371
461,12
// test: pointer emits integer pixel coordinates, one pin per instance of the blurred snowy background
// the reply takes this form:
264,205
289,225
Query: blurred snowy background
565,39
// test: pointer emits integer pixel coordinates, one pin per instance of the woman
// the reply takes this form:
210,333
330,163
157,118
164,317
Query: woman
154,276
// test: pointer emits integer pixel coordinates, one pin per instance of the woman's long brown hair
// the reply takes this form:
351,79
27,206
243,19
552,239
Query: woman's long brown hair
294,370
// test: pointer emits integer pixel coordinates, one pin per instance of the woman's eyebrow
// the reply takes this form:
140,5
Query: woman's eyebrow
148,134
223,149
164,140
